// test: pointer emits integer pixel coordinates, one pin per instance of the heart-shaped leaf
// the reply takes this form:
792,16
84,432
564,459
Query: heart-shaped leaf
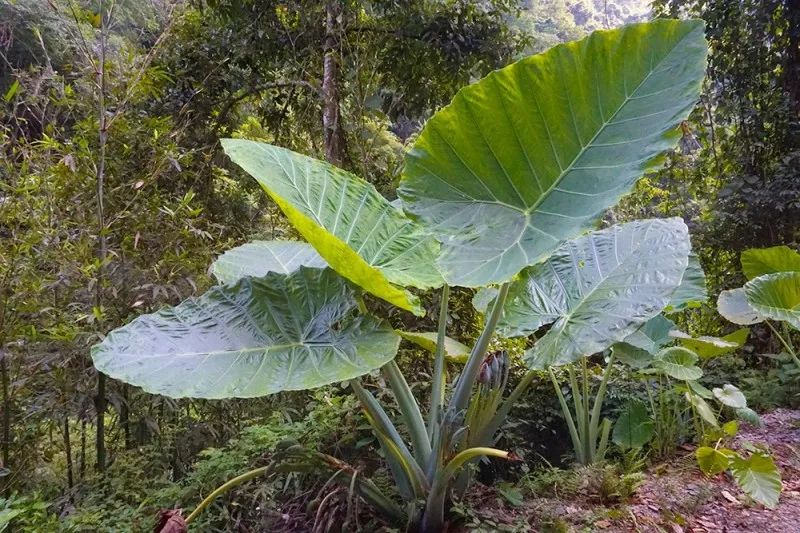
259,258
733,305
533,153
730,396
678,363
252,338
598,288
712,461
776,296
759,261
758,477
356,230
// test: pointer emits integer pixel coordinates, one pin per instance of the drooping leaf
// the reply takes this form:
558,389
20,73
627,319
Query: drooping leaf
692,290
356,230
708,347
759,261
758,477
598,288
730,396
255,337
634,428
699,389
533,153
748,415
733,306
259,258
427,340
776,296
702,408
678,363
712,461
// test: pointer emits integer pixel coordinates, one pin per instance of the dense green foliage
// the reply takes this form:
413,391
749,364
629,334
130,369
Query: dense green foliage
116,197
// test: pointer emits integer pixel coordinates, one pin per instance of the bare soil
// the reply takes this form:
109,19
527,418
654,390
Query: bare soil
675,496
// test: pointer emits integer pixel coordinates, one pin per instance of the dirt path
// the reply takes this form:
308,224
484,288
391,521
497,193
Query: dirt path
675,497
685,500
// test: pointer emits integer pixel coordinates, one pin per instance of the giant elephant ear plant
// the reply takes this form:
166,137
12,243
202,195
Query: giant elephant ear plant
493,189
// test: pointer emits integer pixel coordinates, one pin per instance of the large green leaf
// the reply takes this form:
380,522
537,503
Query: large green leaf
713,461
678,363
759,261
733,306
692,290
355,229
776,296
259,258
758,477
708,347
598,289
634,427
255,337
532,154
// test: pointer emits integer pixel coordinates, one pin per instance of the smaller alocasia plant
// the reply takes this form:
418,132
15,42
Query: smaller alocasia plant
498,192
772,294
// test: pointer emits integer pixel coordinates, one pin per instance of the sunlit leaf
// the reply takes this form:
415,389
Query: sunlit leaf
702,408
730,396
355,229
776,296
708,347
597,289
259,258
532,154
427,340
759,261
255,337
711,460
758,477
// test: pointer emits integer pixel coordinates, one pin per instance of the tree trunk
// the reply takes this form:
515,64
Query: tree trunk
793,53
333,133
68,453
6,415
100,399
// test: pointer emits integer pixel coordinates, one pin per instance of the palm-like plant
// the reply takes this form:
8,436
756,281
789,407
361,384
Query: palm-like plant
493,189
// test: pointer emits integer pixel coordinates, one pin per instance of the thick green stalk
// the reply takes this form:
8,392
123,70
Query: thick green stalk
471,369
393,443
225,487
573,431
409,409
438,384
785,344
598,401
433,519
508,404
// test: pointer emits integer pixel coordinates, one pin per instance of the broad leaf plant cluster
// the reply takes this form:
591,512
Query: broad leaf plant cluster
502,191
